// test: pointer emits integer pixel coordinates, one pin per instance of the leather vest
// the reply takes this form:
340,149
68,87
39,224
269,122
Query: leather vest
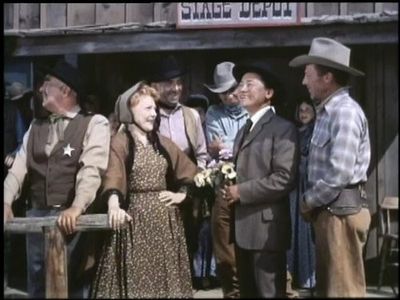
52,179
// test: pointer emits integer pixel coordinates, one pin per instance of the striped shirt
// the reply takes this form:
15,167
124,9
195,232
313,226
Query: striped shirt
340,149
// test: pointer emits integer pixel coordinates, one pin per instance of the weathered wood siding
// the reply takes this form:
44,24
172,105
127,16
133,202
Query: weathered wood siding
55,15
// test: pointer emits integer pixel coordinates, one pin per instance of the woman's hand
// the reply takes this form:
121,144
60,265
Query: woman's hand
171,198
116,215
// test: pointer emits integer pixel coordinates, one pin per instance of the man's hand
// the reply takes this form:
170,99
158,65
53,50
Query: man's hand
171,198
306,212
67,219
215,146
9,160
230,193
8,214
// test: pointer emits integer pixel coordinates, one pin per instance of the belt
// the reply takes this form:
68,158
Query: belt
355,185
46,206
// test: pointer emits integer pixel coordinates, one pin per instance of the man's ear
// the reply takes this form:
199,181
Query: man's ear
269,93
65,89
328,77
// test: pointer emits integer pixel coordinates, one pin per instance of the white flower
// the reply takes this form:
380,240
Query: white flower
199,179
228,170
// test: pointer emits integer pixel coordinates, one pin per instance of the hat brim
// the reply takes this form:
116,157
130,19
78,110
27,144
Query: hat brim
317,60
167,76
46,70
26,93
222,88
267,76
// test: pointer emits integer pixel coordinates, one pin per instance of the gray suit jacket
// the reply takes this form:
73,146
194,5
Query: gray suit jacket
266,166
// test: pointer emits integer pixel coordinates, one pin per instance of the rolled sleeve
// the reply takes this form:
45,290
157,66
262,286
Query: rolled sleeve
94,161
16,174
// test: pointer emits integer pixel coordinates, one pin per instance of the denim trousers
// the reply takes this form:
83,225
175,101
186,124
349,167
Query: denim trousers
36,261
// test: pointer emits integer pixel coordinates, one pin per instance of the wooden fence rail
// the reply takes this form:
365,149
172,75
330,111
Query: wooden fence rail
55,246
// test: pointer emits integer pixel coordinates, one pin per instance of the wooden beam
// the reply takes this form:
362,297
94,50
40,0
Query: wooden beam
56,263
170,40
16,16
84,223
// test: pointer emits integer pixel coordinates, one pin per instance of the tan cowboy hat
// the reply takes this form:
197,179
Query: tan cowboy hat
327,52
223,78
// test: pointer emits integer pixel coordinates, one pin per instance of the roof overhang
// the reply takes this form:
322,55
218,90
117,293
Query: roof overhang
202,39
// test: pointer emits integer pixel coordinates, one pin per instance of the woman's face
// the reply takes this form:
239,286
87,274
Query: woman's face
306,113
144,112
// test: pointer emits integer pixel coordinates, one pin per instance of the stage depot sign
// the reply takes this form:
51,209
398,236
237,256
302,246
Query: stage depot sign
236,14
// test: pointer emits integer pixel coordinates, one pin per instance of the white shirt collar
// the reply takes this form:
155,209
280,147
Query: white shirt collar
73,112
257,116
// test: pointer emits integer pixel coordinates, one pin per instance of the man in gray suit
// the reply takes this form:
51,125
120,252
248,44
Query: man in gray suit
266,155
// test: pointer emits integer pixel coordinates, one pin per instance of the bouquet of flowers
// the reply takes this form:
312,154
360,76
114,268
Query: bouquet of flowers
217,172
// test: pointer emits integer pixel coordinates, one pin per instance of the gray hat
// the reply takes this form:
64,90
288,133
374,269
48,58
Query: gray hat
122,109
327,52
223,78
17,90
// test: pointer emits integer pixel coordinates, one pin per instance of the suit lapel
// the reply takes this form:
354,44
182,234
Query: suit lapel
257,128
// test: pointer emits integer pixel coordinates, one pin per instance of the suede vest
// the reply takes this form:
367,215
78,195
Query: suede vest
191,131
52,179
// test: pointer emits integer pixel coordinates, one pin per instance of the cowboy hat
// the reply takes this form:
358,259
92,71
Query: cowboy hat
165,69
223,78
196,100
122,108
327,52
260,68
67,74
17,90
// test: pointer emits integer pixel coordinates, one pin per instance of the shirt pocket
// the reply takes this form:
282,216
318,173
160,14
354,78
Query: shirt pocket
320,140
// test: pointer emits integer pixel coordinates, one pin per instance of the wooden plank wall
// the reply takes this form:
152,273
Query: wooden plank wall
381,108
55,15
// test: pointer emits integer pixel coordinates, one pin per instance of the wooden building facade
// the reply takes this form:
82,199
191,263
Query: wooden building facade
112,42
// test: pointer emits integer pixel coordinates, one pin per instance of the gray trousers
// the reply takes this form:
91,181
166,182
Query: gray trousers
262,274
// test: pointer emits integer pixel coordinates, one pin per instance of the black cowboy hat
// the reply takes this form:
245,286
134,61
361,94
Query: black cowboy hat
67,74
260,68
165,69
196,100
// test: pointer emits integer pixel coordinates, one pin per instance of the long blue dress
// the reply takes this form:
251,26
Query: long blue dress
301,256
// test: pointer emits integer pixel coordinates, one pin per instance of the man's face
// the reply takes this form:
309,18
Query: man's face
52,91
316,85
229,97
252,92
170,90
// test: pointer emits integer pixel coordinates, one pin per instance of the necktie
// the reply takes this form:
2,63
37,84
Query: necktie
57,120
246,131
53,118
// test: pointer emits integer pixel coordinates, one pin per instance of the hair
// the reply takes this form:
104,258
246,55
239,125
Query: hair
341,77
144,90
308,102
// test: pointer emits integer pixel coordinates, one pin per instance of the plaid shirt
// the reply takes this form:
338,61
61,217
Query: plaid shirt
340,149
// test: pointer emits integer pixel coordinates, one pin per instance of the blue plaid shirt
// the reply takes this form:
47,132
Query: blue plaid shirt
340,149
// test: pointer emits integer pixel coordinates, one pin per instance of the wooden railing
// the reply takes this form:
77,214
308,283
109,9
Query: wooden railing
55,246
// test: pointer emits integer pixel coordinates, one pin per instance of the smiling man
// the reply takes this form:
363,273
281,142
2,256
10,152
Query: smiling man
183,126
266,154
64,157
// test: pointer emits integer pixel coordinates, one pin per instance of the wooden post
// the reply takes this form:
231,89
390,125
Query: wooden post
56,263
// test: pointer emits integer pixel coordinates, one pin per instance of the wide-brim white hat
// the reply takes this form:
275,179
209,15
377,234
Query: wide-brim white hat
327,52
223,78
